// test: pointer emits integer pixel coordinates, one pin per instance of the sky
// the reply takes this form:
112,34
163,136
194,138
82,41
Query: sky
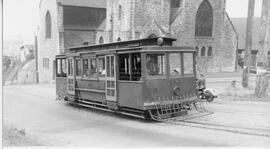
21,17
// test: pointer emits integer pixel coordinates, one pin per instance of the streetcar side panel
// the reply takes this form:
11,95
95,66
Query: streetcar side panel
170,76
130,94
61,86
93,90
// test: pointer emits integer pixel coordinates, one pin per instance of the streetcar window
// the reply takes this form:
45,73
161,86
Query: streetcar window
188,63
58,67
130,67
175,63
124,73
101,67
78,67
155,64
93,68
136,66
110,66
85,69
71,68
63,68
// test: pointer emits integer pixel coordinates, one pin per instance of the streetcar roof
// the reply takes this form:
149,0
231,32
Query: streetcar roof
126,44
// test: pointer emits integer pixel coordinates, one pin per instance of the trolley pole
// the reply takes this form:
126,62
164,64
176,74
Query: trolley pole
248,46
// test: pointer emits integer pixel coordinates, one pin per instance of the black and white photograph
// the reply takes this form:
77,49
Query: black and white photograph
135,73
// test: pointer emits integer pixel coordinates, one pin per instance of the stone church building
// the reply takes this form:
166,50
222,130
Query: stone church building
63,24
203,24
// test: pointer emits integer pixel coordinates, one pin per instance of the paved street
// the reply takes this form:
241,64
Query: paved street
54,123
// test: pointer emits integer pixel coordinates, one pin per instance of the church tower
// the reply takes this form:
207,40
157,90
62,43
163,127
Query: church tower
135,19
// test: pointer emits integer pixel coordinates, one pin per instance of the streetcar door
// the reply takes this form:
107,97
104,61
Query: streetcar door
71,77
110,78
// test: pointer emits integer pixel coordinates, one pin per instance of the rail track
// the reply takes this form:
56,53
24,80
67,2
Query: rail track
189,121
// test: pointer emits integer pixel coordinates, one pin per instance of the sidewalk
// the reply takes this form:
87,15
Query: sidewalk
47,91
226,77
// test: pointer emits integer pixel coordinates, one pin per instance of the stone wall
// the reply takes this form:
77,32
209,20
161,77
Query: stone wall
223,40
62,36
78,38
119,19
152,17
47,48
139,18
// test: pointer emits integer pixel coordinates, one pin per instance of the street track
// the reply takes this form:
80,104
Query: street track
189,123
218,127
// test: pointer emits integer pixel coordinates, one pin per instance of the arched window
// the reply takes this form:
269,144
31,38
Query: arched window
101,40
120,12
48,27
203,51
119,39
152,36
204,20
197,51
210,52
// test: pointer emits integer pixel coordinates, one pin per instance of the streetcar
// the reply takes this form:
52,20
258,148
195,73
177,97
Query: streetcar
146,78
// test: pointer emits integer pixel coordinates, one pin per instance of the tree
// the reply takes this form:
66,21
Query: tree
248,46
262,81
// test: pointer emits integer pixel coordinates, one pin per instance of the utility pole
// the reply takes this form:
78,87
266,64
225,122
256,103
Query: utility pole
248,46
262,80
36,57
264,34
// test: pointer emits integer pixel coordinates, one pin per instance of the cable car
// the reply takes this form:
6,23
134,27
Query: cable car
146,78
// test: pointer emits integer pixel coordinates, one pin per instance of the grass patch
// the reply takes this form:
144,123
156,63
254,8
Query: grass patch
17,137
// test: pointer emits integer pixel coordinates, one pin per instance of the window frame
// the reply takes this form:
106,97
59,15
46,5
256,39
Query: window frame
87,76
101,40
130,72
181,64
70,65
203,52
61,74
210,49
193,64
46,63
76,68
48,25
119,12
98,68
58,67
165,74
91,77
200,26
64,74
